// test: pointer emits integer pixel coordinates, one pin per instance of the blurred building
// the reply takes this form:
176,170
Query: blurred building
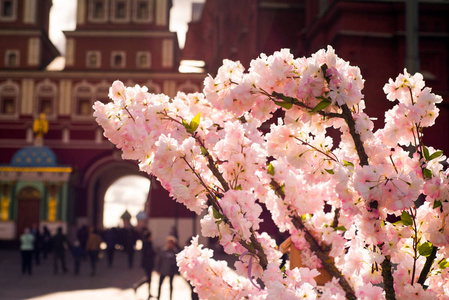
373,35
113,39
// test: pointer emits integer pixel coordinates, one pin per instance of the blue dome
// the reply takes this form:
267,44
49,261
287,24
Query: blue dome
34,156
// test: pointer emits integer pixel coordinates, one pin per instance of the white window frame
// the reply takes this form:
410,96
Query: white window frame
88,62
8,53
127,18
91,16
15,94
98,94
77,93
113,55
146,54
53,94
13,16
135,14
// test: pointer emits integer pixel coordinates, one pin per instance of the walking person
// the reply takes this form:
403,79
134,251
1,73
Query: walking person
46,242
59,244
78,254
110,237
37,244
26,251
166,264
148,255
93,249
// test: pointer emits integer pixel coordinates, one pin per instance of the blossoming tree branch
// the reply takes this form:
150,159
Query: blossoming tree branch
370,210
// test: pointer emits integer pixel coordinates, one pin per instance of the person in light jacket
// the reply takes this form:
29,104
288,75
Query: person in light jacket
26,250
166,264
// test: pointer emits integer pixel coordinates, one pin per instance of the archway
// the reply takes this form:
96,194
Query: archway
129,193
28,208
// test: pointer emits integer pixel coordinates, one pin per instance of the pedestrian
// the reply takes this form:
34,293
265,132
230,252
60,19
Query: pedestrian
78,254
26,250
129,242
166,264
59,244
93,249
147,264
46,242
82,234
37,244
110,238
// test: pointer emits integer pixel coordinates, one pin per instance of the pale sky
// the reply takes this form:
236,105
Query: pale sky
63,17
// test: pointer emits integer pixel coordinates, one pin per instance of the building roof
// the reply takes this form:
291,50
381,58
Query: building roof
34,156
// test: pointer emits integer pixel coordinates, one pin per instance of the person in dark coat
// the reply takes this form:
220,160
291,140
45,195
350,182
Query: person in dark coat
110,238
166,264
46,242
77,253
37,243
59,243
129,242
147,264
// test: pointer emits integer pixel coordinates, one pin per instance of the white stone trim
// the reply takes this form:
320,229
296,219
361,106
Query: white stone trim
81,12
34,51
91,64
29,12
15,93
127,15
153,87
70,52
150,12
187,86
161,12
91,16
143,55
13,16
122,64
88,92
167,53
53,94
8,52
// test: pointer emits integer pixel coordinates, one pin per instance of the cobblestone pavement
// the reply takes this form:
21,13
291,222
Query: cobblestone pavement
113,283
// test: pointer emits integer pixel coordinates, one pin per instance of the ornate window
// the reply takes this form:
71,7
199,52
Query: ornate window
120,11
153,88
8,10
83,99
118,59
12,58
143,60
102,92
188,87
93,59
46,94
143,11
9,99
98,11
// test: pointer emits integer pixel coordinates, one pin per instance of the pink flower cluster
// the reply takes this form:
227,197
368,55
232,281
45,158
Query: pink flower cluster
214,152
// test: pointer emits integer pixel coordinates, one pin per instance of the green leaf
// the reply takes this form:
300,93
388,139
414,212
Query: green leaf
444,264
436,203
427,173
284,104
195,122
435,155
330,171
348,163
425,249
406,219
270,169
426,153
341,228
322,105
238,188
204,151
217,215
186,126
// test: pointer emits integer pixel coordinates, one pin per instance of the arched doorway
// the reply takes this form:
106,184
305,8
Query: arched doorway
128,193
28,210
